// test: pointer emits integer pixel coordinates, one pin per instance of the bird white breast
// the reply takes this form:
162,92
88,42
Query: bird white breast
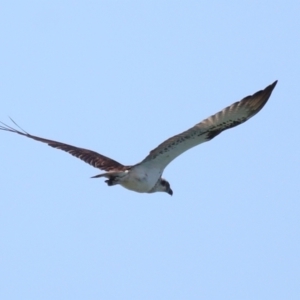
140,179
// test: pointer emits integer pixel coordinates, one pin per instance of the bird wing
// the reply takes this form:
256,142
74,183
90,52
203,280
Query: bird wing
231,116
93,158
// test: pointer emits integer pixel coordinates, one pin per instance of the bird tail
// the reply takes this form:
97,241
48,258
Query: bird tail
100,175
111,174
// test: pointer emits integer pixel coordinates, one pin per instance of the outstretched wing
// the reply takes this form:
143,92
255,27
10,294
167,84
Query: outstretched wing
93,158
231,116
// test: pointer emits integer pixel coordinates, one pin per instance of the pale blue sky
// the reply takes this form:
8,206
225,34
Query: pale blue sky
119,77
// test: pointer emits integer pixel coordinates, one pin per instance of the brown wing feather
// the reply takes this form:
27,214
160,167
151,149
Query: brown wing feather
231,116
93,158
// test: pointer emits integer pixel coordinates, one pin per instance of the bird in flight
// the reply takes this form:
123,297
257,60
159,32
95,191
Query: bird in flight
145,176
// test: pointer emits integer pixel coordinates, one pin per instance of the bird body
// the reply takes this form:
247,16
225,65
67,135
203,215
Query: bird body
138,178
145,177
141,179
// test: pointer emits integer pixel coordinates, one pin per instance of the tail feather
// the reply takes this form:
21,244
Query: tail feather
101,175
111,174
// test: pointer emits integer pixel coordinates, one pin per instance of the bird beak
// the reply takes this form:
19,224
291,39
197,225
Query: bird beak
170,192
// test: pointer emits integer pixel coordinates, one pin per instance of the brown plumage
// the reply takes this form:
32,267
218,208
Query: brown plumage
91,157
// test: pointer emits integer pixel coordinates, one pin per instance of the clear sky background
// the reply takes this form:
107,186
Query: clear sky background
119,77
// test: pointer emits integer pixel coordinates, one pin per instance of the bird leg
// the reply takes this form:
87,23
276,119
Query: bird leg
111,181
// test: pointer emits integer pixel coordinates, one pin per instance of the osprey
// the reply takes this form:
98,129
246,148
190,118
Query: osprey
145,177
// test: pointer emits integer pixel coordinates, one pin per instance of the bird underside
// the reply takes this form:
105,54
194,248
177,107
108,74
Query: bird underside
134,178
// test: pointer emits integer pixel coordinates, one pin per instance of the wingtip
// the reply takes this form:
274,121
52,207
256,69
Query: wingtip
273,84
268,90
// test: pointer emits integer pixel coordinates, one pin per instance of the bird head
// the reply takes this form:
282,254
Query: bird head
164,186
